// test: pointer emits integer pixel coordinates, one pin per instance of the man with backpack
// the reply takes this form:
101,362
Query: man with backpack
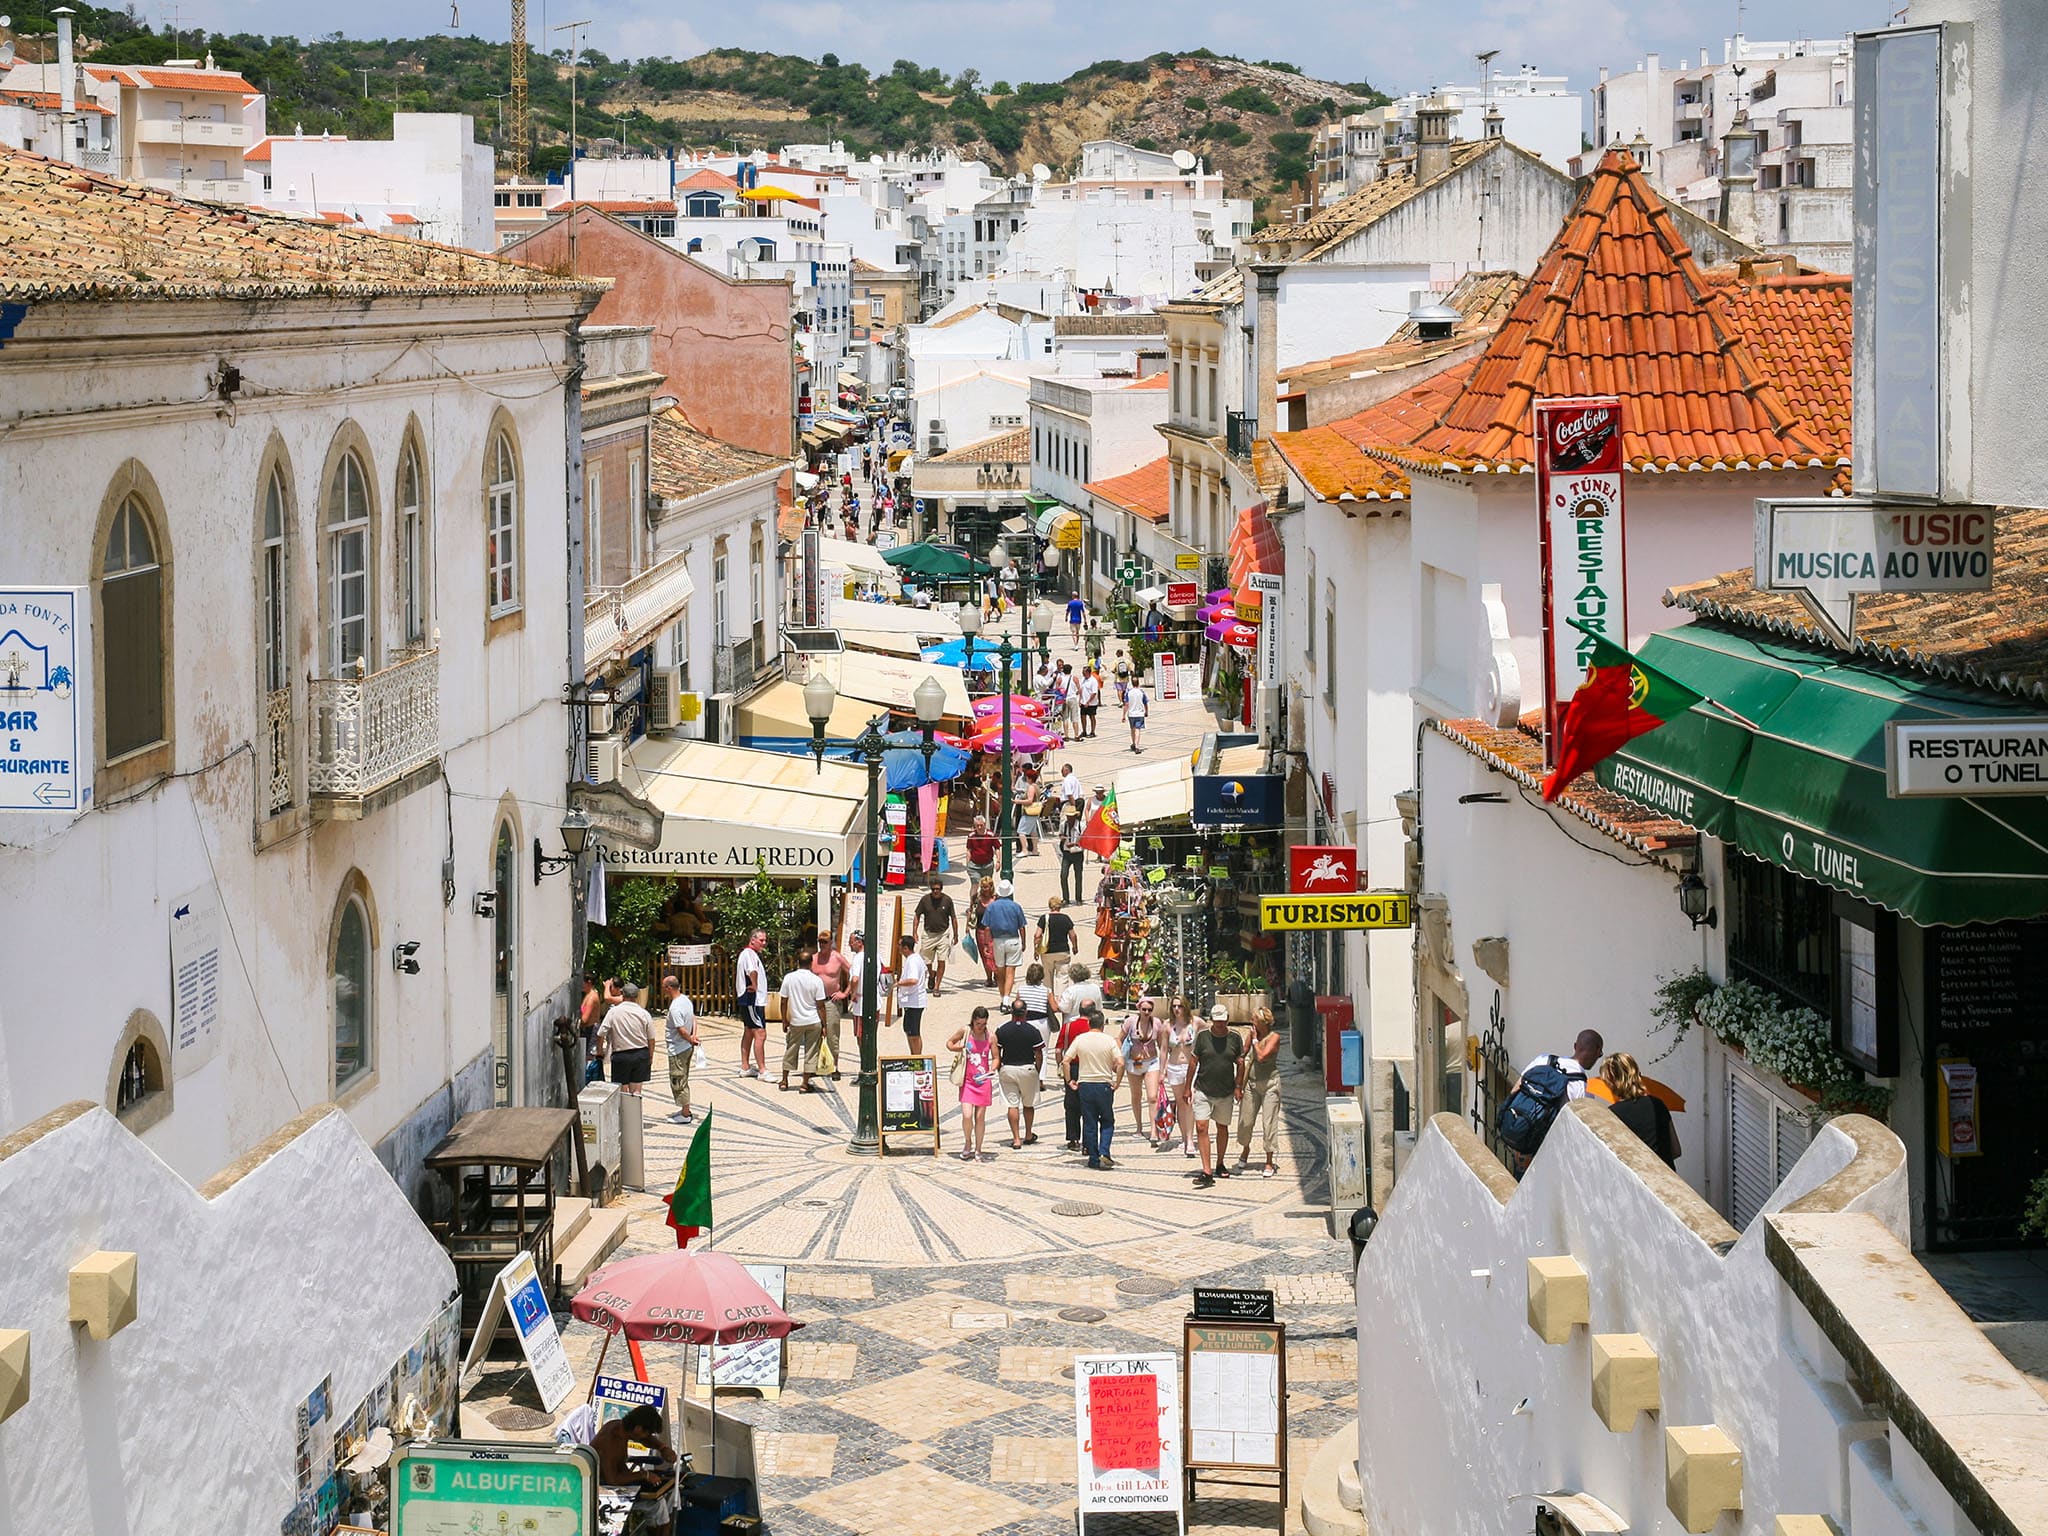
1541,1093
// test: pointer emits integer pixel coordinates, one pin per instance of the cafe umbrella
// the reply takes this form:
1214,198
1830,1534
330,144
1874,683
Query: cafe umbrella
690,1296
931,561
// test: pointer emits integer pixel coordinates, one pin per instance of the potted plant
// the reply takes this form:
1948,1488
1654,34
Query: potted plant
780,911
1240,987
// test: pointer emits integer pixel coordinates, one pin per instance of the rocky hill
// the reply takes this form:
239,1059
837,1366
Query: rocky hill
1249,121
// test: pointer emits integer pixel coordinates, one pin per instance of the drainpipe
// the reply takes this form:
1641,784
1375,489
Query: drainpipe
579,718
1266,345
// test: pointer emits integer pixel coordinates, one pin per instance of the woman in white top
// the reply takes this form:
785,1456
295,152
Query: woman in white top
1142,1064
1180,1072
1044,1014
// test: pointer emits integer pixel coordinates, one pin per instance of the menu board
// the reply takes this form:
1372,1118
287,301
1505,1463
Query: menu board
909,1095
1237,1394
1126,1435
1988,979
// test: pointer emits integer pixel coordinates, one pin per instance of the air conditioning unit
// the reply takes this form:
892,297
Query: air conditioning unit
721,718
603,758
661,698
600,716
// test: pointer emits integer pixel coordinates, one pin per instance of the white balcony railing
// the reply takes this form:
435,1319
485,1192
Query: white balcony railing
369,732
190,130
277,754
617,621
205,190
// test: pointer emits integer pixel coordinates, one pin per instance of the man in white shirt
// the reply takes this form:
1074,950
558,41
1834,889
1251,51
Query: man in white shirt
803,1021
681,1040
856,957
1577,1067
627,1034
1070,785
750,987
1136,708
1082,990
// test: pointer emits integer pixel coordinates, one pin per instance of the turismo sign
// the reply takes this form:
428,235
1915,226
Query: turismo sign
1966,757
1578,490
1828,550
1374,909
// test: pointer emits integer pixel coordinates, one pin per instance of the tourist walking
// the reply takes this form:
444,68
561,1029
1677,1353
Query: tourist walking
982,848
803,1020
1098,1068
750,991
1261,1105
1073,857
1138,705
1178,1067
628,1036
1055,942
1142,1056
938,929
1082,990
1070,700
1004,920
1031,806
591,1014
1122,674
911,996
1076,1026
974,1070
1077,612
832,970
1020,1057
1219,1083
1090,693
984,945
1639,1109
681,1042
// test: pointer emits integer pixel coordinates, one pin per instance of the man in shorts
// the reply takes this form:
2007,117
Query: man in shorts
1219,1082
938,930
1055,943
628,1032
1020,1051
832,970
750,989
1004,920
803,1021
911,975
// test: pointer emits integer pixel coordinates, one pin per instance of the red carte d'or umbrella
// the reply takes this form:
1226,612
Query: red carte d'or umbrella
696,1296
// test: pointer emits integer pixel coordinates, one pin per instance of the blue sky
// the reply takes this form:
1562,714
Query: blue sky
1396,44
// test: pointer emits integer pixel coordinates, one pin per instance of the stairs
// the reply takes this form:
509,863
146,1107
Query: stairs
584,1237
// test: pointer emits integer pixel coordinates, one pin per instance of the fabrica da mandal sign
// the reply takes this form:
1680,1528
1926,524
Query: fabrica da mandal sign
1578,486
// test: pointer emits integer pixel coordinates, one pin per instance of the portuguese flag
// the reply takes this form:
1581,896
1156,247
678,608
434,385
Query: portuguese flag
1620,700
689,1207
1103,831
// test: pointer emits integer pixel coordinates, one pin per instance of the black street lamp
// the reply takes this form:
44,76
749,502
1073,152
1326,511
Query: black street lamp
970,626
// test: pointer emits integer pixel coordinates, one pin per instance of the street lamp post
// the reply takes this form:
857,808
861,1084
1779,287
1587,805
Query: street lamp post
869,746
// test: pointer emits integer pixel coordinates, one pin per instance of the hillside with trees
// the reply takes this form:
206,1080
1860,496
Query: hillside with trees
1250,121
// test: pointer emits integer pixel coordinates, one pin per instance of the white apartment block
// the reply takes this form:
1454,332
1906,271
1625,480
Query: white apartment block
181,127
1539,112
430,180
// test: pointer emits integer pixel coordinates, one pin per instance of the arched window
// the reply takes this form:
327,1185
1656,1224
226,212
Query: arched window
501,527
348,565
353,1038
139,1091
132,628
274,580
413,620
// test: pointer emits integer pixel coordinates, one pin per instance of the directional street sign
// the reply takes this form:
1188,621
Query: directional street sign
39,700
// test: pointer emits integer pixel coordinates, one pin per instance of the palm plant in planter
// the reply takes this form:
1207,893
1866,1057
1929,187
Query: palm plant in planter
1240,987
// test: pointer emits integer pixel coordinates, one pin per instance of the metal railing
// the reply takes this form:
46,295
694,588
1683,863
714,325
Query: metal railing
733,667
1240,430
277,752
371,730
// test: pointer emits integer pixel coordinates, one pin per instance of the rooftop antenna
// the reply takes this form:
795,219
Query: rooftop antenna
1486,75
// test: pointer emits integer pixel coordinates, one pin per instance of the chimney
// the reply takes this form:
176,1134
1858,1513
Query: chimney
1266,345
1492,120
1432,139
1738,180
67,72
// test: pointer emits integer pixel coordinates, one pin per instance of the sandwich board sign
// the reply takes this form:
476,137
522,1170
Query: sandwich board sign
1127,1425
517,1292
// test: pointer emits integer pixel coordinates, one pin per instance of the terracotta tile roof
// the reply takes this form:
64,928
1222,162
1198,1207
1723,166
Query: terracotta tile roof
707,180
71,234
332,217
1332,458
48,101
1996,640
1517,753
1346,217
1143,492
1150,381
175,79
1003,448
1254,546
400,218
1619,306
687,462
615,205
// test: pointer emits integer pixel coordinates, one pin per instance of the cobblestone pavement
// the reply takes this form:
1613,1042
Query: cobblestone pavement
929,1392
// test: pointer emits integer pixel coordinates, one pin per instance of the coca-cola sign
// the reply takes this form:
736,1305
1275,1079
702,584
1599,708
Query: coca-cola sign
1580,435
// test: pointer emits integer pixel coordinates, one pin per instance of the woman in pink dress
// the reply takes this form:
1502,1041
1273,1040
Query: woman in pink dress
976,1047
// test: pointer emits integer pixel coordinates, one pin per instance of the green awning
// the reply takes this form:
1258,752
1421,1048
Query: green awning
1805,788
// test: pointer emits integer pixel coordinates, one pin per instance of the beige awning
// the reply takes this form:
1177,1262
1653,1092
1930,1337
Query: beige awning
863,562
1155,791
891,680
775,718
727,810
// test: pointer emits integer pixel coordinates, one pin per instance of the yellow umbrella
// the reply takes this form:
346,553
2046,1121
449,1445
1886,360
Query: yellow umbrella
770,195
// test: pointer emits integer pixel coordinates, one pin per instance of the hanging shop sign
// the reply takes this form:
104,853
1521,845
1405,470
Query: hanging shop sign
1187,562
1966,757
1578,492
617,816
485,1485
1320,870
690,846
1182,594
1248,800
1268,585
813,578
1373,909
1127,1434
1828,550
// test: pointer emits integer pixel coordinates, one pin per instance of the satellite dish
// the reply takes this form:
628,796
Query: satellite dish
1183,160
6,43
874,159
1041,171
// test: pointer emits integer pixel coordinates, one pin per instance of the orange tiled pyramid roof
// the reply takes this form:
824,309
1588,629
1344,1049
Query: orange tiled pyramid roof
1618,306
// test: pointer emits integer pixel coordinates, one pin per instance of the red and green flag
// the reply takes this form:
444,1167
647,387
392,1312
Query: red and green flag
1620,699
1104,831
689,1206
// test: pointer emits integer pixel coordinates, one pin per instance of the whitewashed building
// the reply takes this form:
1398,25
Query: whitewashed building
431,179
324,589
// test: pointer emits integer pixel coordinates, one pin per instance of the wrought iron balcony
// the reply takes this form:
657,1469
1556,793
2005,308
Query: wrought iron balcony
277,752
1240,431
370,734
734,667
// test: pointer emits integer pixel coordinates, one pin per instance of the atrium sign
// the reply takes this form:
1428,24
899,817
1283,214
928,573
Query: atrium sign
1828,550
1578,491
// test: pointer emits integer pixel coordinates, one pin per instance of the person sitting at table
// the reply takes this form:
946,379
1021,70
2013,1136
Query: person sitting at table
616,1468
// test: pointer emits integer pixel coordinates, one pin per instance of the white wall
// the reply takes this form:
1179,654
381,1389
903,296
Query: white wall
733,513
431,167
310,1266
1326,309
85,904
1462,1407
970,400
